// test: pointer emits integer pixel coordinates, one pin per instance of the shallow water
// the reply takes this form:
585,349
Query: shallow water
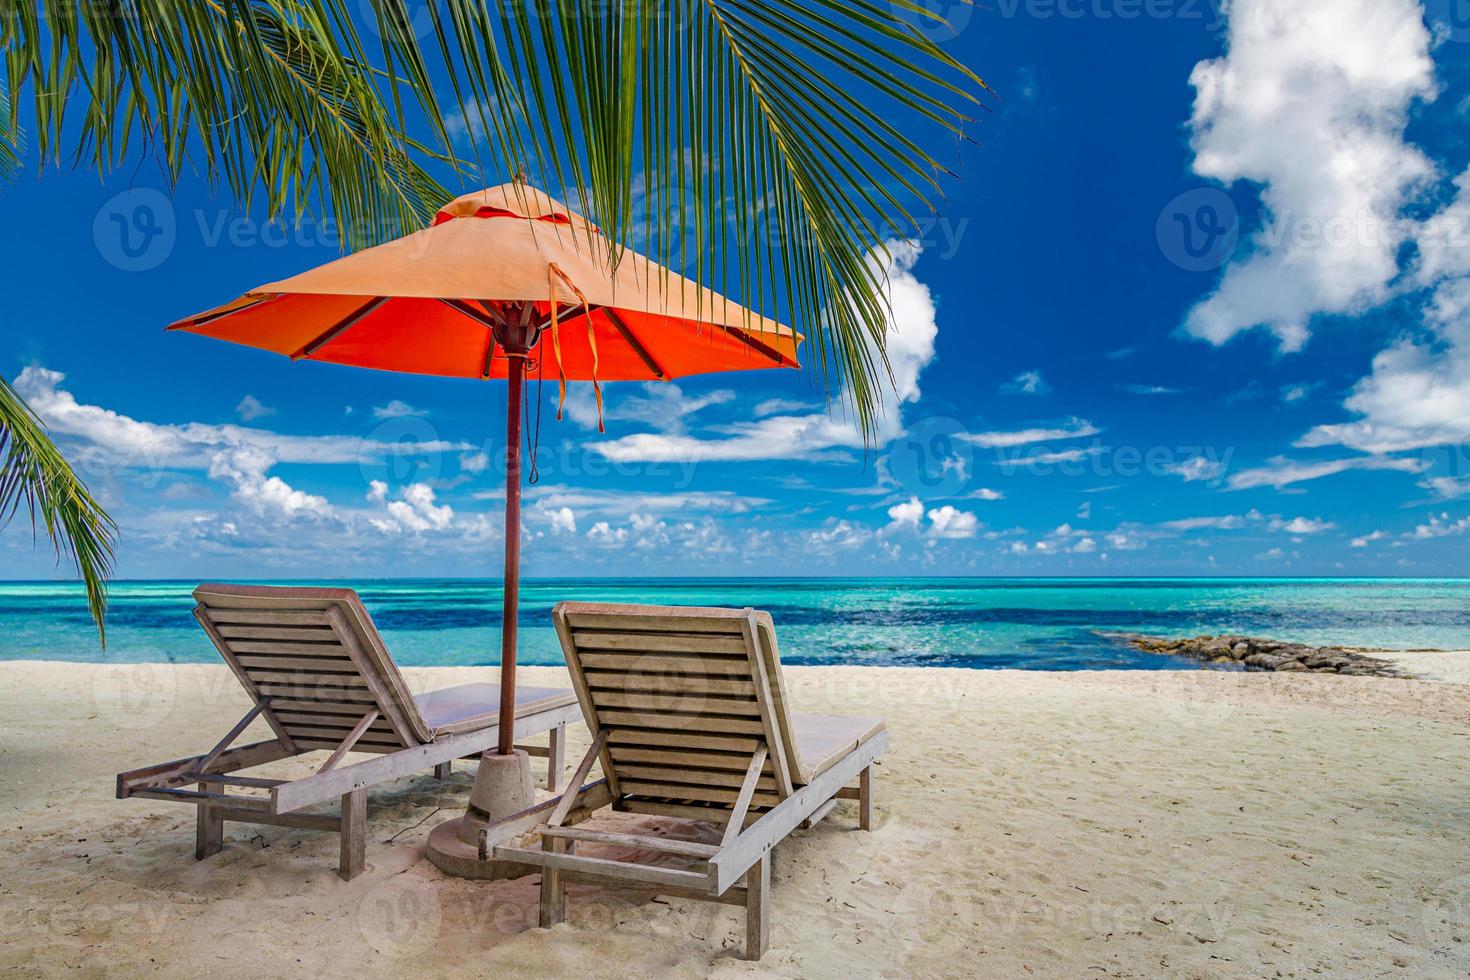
1044,624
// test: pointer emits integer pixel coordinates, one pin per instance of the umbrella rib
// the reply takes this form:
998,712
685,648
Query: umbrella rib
200,321
616,320
483,319
753,344
341,326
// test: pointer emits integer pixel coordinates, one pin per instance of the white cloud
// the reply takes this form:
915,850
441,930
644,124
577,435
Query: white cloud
906,515
416,510
1075,429
1085,511
775,406
1085,546
947,522
1026,383
250,409
396,409
563,520
1368,539
269,496
984,493
1448,487
123,442
1300,525
1196,468
1281,471
377,492
910,336
1225,522
1310,102
1440,526
1274,554
661,405
476,462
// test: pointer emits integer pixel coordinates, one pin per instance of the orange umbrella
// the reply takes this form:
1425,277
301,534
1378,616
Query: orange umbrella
475,295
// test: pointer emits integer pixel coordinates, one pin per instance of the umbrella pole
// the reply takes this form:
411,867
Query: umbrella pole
516,373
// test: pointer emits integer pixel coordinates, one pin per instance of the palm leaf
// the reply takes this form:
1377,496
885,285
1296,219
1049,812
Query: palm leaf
761,129
276,98
34,475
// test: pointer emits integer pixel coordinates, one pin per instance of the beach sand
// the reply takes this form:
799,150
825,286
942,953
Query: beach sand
1186,823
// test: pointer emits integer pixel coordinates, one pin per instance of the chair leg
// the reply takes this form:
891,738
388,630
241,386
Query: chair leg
865,799
354,834
758,908
556,751
444,769
553,891
209,832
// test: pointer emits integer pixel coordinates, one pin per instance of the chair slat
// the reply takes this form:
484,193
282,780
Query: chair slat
691,666
611,680
624,622
303,634
745,744
700,643
693,724
696,705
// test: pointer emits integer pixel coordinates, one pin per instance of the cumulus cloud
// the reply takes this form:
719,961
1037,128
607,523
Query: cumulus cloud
906,515
563,520
1440,526
1368,539
909,342
948,522
415,510
1300,525
244,468
1310,102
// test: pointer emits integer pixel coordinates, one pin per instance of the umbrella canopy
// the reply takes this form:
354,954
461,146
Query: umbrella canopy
422,304
477,295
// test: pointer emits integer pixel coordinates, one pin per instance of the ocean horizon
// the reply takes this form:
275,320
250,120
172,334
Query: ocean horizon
1040,623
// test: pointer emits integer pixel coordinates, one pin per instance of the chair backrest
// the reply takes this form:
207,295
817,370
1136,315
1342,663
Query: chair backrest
685,696
314,655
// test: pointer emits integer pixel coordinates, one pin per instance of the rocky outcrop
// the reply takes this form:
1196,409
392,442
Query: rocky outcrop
1252,653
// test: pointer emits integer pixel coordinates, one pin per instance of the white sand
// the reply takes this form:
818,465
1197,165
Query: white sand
1089,824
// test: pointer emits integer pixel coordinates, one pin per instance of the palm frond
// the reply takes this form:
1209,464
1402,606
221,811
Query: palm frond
34,475
276,98
761,133
749,143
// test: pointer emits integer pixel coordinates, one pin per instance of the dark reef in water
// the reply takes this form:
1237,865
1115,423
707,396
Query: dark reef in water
1252,653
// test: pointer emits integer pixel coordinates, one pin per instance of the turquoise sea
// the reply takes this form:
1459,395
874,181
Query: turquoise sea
1044,624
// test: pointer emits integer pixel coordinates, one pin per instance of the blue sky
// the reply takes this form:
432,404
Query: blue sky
1199,304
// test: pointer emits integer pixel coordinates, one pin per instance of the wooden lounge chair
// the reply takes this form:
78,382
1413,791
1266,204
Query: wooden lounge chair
318,674
689,718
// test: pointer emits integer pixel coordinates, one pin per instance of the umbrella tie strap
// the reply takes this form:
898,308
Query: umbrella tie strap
554,272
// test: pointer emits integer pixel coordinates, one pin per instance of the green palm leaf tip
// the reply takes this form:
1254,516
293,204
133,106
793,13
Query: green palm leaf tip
34,474
9,137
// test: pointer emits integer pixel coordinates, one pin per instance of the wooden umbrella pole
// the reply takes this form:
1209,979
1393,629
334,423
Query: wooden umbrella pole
516,375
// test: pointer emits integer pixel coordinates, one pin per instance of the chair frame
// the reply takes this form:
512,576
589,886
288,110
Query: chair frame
737,871
206,780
